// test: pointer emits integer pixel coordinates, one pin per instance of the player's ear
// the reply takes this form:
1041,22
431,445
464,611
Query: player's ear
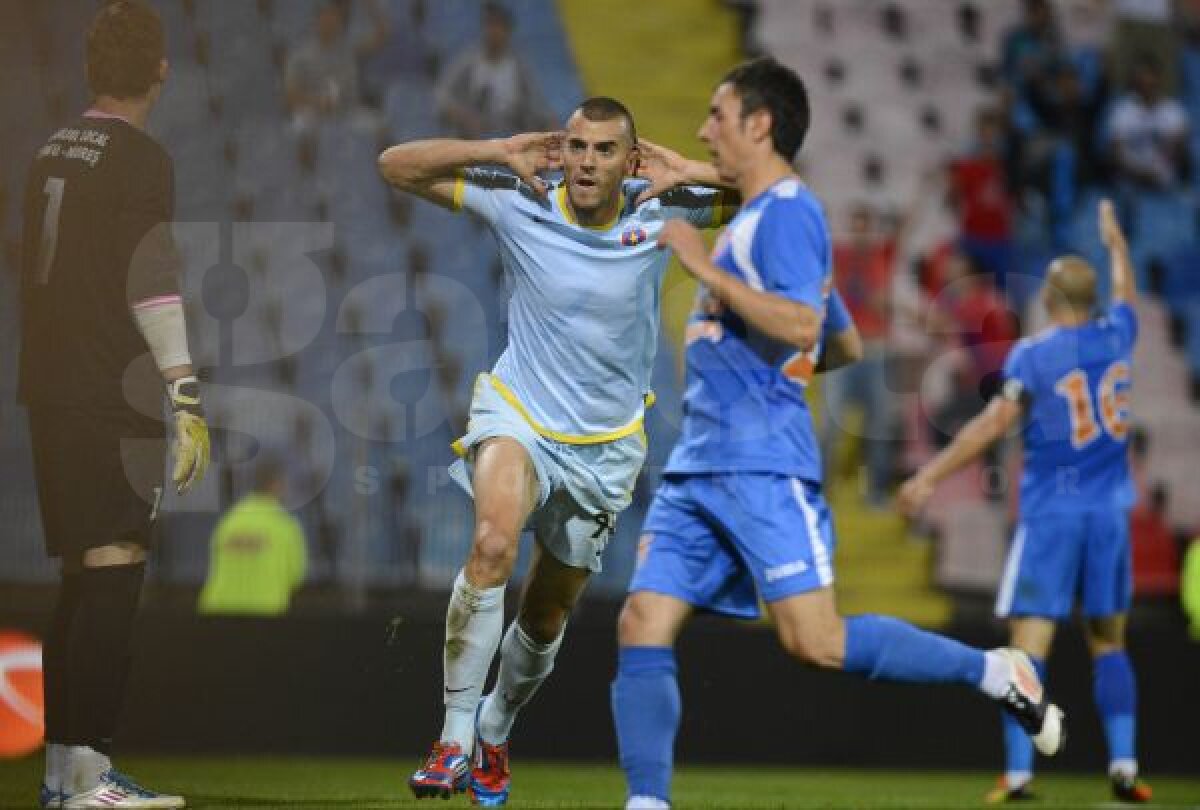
759,124
632,162
163,67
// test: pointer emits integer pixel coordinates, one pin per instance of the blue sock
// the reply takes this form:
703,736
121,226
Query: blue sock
1018,748
1116,700
646,710
883,648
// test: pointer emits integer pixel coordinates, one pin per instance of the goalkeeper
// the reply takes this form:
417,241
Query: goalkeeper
102,332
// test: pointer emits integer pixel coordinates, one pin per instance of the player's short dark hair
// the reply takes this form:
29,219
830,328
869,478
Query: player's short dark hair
603,108
764,84
268,473
125,45
499,13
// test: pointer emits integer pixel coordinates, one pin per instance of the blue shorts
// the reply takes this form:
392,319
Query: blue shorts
719,542
1058,560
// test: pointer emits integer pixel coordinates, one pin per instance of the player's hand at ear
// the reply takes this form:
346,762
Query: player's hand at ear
663,167
913,495
1110,229
190,445
533,152
685,242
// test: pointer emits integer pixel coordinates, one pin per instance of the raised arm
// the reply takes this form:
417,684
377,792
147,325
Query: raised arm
430,168
1124,287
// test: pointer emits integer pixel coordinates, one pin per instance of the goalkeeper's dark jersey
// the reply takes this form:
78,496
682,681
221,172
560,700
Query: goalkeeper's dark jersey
97,239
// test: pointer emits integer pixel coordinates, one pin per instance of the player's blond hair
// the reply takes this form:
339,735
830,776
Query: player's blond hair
1071,283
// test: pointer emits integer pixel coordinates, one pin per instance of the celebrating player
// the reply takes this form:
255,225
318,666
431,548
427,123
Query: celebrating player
740,512
555,434
1071,386
99,287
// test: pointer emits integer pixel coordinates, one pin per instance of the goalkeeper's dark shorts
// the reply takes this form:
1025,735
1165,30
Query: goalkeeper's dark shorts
99,476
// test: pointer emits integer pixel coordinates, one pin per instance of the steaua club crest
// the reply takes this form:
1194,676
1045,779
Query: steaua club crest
634,236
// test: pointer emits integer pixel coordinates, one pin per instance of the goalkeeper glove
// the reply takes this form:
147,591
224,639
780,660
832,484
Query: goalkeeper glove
191,447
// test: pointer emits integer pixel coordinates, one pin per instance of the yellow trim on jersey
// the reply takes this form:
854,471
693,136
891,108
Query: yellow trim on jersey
566,438
560,196
460,191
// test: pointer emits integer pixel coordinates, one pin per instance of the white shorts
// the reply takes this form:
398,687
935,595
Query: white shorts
581,487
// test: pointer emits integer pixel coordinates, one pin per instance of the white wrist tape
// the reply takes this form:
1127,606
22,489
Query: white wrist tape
161,322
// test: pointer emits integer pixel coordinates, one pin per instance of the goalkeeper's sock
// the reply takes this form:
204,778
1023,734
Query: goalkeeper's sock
1115,692
524,664
83,767
1018,747
474,623
56,760
884,648
56,677
98,654
646,710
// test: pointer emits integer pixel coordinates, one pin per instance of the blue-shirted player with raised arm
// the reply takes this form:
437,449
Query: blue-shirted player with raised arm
555,434
1070,384
740,514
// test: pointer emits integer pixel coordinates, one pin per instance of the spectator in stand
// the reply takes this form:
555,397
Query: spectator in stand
1149,132
980,194
1033,47
488,90
406,55
976,313
1144,26
863,265
321,76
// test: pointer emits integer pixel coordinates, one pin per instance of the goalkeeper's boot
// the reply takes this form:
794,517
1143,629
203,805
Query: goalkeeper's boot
446,771
116,790
1003,792
50,798
1129,789
490,776
1025,699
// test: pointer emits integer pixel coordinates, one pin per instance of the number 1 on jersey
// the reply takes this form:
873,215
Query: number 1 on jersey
54,191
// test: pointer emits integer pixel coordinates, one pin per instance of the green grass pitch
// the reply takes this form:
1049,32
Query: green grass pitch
253,782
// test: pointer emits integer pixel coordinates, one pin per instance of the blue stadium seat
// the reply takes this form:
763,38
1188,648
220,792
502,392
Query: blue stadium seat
1181,278
409,111
1163,224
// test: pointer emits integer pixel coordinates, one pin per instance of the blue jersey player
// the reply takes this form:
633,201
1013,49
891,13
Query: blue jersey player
555,434
1070,384
740,513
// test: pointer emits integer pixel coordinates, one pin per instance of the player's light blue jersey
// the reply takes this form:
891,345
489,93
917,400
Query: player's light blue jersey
744,407
1075,384
584,314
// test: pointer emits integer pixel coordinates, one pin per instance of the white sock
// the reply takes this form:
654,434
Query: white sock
56,755
997,674
646,803
1126,768
474,622
524,664
1014,780
83,769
